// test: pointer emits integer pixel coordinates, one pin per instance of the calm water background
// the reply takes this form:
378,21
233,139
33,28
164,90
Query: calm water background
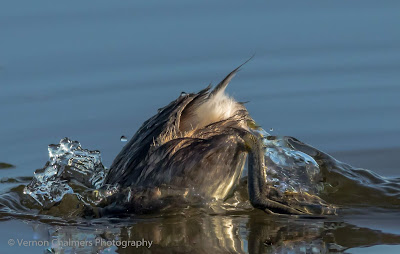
325,73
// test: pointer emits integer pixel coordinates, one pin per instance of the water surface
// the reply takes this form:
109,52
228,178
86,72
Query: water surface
325,73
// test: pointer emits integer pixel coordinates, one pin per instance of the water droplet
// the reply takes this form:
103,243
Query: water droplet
123,139
272,129
183,93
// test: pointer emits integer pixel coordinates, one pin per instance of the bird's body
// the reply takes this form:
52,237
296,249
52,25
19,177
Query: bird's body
194,142
192,153
196,145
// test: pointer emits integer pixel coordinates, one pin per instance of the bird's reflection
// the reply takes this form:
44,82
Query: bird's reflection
240,233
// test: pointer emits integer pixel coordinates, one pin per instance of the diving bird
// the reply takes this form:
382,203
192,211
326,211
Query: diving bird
199,143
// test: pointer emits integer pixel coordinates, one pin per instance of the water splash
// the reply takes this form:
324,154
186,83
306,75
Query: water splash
295,167
69,165
289,169
301,173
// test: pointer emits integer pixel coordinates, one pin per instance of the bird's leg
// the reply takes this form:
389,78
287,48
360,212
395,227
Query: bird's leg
267,197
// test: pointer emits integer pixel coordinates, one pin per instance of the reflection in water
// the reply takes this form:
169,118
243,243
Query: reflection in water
242,233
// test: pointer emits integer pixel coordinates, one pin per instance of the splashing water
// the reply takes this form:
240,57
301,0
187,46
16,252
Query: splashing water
288,169
68,164
291,167
295,167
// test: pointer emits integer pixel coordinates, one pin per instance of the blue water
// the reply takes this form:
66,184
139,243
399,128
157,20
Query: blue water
325,73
